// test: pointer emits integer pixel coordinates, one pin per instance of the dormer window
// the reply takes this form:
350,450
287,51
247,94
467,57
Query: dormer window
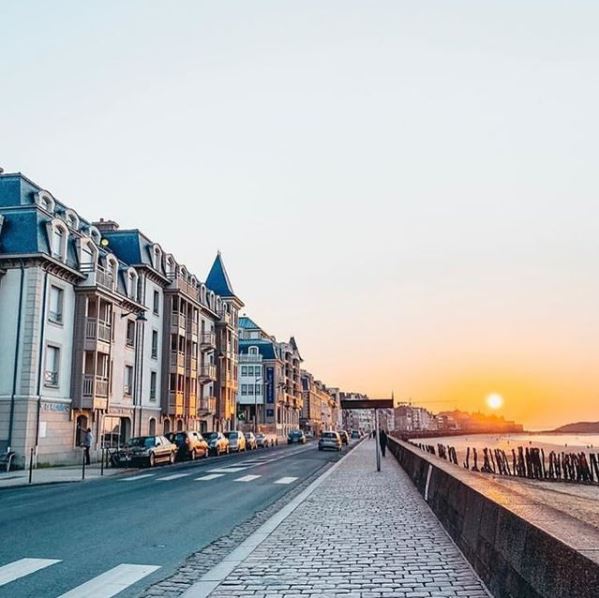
88,255
157,258
112,266
71,219
253,350
132,284
171,266
94,234
45,201
58,235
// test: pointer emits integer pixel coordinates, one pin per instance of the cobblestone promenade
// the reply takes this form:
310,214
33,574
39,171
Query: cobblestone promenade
360,534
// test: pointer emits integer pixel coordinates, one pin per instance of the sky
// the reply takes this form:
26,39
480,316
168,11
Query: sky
408,188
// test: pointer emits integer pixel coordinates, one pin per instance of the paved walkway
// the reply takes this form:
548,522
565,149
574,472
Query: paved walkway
360,534
51,475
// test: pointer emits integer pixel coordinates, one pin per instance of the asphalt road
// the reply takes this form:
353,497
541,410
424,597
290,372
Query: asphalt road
140,519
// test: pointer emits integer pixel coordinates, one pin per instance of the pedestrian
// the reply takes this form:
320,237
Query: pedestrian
383,441
88,439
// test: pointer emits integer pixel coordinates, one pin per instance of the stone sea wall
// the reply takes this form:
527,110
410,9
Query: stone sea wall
514,557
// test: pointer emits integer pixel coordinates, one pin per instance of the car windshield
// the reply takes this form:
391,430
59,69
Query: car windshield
329,435
231,435
295,433
142,441
180,437
212,436
248,434
260,435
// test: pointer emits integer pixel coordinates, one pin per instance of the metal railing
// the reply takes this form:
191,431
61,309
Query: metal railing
208,372
94,386
208,340
97,330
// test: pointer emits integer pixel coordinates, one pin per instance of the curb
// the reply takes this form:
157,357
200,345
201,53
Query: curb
213,578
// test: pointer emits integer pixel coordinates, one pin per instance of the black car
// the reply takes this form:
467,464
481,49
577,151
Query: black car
296,436
147,450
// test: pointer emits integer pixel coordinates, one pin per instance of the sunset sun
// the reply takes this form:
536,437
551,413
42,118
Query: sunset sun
495,401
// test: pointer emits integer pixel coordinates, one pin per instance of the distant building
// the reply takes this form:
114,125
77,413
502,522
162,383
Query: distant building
414,419
357,419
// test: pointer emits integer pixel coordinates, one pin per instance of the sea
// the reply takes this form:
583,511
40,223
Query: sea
575,443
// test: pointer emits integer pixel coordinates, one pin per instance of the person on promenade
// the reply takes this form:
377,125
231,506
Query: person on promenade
383,441
88,439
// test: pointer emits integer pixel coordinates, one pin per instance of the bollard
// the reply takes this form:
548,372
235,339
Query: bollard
102,462
83,465
31,465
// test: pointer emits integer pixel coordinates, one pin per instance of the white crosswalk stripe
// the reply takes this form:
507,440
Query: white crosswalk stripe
227,469
248,478
137,477
210,476
23,567
173,476
111,582
286,480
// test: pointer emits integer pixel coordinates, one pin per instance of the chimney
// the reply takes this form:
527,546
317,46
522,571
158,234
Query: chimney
105,226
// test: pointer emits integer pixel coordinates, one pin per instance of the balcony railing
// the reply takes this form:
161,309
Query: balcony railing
94,386
96,275
97,330
208,340
178,282
208,372
175,402
247,358
178,320
192,363
207,405
192,327
177,359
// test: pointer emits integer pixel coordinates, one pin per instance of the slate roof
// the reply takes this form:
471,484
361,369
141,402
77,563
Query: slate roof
266,348
248,323
218,279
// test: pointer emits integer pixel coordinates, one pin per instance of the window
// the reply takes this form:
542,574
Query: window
253,351
58,237
258,389
152,386
52,366
156,307
154,344
251,389
55,307
130,333
244,370
244,389
128,383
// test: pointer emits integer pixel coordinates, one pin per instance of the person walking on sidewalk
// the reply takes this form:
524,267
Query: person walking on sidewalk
383,441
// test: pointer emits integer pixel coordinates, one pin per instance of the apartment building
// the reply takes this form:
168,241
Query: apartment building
318,405
104,330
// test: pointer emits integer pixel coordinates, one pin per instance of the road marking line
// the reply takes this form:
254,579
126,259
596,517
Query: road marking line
137,477
111,582
286,480
210,476
173,476
23,567
248,478
227,469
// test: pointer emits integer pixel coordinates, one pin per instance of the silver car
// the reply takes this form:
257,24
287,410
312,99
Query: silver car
329,440
236,441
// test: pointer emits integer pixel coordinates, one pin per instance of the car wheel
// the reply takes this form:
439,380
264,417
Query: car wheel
152,460
171,459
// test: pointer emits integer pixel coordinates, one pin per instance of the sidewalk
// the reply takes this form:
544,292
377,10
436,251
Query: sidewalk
51,475
359,534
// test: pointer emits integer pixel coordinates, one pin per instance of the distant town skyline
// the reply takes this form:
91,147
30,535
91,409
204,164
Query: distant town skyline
409,190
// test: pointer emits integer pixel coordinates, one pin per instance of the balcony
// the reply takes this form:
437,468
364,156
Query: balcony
192,327
97,276
207,373
175,402
208,341
178,322
96,331
94,386
179,283
177,360
192,364
192,404
207,406
247,358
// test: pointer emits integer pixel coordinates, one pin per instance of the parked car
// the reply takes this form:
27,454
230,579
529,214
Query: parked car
147,450
296,436
236,440
344,436
262,441
355,434
191,445
329,440
250,441
217,443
